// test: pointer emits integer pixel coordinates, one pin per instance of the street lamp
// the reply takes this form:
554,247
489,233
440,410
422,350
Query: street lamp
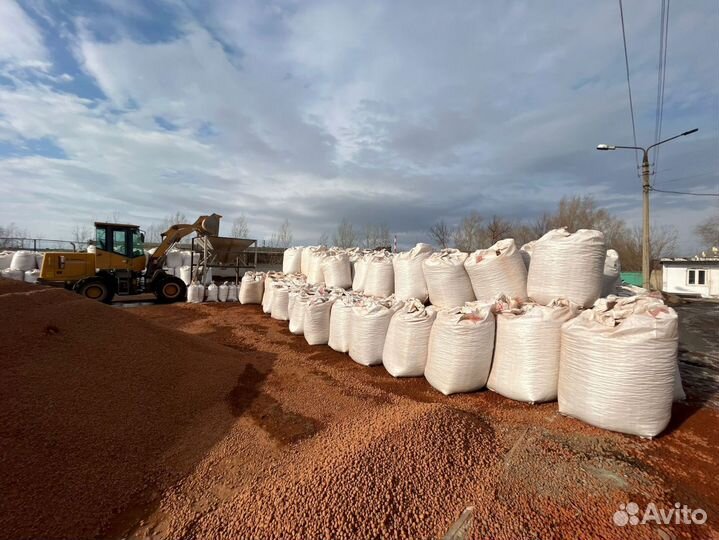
646,188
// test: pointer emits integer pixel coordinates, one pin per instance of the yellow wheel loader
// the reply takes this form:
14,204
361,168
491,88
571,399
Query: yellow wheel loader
119,264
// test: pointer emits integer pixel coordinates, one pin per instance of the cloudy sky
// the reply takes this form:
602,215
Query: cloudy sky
401,113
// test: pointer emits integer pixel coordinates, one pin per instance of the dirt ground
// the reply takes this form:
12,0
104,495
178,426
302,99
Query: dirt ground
213,421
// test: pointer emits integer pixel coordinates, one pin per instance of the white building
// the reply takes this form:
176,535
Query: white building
698,275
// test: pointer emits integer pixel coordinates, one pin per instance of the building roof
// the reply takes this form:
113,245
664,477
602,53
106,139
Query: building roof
692,261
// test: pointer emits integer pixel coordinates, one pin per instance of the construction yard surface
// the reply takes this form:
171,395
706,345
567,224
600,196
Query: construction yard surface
213,421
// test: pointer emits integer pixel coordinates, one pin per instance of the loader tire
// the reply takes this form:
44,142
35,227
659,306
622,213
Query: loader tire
171,289
95,288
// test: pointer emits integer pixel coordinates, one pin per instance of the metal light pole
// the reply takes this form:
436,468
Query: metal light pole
646,187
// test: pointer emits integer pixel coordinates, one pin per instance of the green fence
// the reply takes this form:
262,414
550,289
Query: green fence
633,278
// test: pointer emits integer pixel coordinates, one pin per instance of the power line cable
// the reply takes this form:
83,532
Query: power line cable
663,59
629,84
659,69
685,193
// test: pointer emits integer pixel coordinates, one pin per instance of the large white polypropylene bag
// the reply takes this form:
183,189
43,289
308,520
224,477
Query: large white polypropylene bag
618,366
360,273
341,324
298,306
195,293
9,273
5,259
315,276
447,281
460,349
232,293
39,256
223,292
407,341
526,252
31,276
526,351
280,302
292,260
185,274
252,287
316,323
497,270
187,257
305,259
267,294
568,266
337,271
369,329
409,279
212,293
173,259
612,273
23,260
379,280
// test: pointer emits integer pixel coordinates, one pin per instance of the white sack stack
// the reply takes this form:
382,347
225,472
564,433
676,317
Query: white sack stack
187,258
369,329
341,323
314,271
460,349
9,273
280,302
407,341
379,281
409,279
173,258
360,272
612,273
185,274
31,276
568,266
292,260
195,293
5,259
618,365
336,270
447,281
526,252
23,261
317,320
526,351
298,301
497,270
305,259
252,287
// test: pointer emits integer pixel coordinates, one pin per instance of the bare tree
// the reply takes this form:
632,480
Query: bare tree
240,228
81,234
542,225
154,231
345,236
497,229
662,243
522,233
11,236
375,236
708,232
324,239
441,234
468,234
283,237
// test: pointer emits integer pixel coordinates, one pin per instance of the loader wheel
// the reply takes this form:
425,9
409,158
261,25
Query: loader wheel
95,289
171,289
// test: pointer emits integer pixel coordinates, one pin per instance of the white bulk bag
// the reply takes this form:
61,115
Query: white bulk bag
379,280
337,271
526,351
92,248
298,301
252,286
173,258
409,279
31,276
341,324
267,295
5,259
612,273
232,292
618,365
185,274
360,273
447,280
195,293
568,266
292,260
305,259
280,302
316,323
407,341
369,329
211,293
223,291
38,259
187,257
460,349
9,273
23,260
526,252
497,270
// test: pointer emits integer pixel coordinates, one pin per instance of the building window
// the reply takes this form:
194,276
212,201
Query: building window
696,277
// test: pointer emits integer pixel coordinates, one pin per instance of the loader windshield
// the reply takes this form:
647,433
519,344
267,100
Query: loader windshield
137,244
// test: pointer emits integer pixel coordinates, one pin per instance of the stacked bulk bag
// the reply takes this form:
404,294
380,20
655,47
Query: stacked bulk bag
497,270
379,280
316,323
407,341
298,305
39,256
611,278
447,281
526,252
409,279
341,323
195,293
360,272
527,349
370,321
23,261
618,365
305,259
185,274
187,258
336,270
5,259
314,271
568,266
460,349
9,273
267,294
292,260
173,258
223,292
252,287
31,276
280,302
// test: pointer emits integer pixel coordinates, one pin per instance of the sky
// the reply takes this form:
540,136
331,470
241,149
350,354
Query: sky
402,113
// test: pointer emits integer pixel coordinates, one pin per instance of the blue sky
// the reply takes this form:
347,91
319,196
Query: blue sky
382,112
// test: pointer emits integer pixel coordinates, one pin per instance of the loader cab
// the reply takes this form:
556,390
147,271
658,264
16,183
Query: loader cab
119,247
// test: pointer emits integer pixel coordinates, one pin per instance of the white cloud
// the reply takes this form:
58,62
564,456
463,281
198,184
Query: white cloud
20,40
